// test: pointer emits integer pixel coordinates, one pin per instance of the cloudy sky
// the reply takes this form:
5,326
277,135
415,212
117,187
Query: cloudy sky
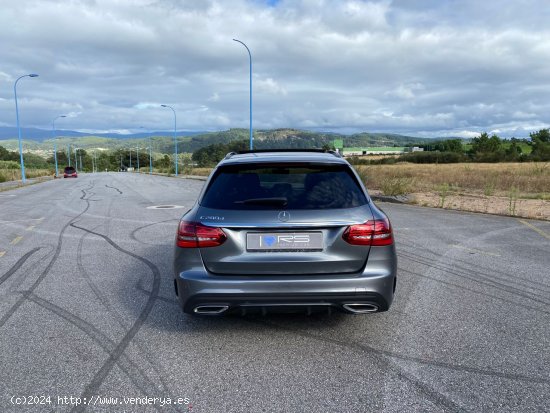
422,67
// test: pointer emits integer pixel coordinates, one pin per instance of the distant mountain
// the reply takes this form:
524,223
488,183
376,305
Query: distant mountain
299,139
162,142
41,135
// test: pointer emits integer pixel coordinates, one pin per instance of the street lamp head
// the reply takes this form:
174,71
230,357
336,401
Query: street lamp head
33,75
63,116
164,106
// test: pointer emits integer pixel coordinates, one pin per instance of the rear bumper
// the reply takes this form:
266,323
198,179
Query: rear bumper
373,287
217,304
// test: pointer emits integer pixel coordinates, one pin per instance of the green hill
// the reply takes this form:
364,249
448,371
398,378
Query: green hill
263,139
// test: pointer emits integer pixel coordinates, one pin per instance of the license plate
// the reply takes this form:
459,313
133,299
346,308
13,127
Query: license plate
284,241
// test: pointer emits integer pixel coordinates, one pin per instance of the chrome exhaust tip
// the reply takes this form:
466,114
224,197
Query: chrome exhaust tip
360,308
210,309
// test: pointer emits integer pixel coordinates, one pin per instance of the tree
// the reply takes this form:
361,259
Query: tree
542,135
487,149
4,154
514,152
541,145
212,154
449,145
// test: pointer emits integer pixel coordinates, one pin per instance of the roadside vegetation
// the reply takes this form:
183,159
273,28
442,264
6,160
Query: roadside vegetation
116,160
487,165
531,179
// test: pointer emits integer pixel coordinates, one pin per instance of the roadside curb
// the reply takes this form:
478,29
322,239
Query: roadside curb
196,177
8,185
398,199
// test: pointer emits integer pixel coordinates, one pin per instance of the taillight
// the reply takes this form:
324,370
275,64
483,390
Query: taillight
196,235
373,232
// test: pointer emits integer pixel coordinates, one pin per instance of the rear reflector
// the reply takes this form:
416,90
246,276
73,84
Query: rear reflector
373,232
196,235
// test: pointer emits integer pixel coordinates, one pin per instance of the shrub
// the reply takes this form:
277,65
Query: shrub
433,157
9,165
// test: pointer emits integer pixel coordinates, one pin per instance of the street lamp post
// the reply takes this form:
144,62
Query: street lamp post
150,157
23,178
250,59
76,161
55,142
69,153
137,156
175,141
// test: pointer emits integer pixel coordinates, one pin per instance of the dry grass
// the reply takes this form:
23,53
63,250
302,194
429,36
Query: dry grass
530,180
15,174
199,171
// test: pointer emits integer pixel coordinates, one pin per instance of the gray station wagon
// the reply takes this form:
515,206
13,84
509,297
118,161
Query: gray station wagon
284,231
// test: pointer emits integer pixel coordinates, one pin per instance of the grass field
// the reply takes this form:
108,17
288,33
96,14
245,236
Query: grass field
529,179
10,174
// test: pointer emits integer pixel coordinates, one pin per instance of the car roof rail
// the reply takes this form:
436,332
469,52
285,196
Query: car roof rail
230,154
335,153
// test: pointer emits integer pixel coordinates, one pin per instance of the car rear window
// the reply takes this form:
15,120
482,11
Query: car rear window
69,170
291,186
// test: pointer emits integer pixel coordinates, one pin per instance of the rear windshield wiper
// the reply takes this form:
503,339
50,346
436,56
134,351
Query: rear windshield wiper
280,201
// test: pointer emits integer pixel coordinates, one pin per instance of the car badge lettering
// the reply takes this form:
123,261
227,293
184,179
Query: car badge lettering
293,238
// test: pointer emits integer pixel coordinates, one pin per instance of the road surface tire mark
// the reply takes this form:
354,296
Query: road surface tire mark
418,360
496,297
436,397
112,187
43,274
522,282
383,357
97,292
17,265
104,371
131,188
494,284
133,233
156,366
118,317
131,369
142,289
464,272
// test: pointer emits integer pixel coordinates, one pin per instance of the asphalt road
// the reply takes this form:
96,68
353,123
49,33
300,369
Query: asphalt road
87,310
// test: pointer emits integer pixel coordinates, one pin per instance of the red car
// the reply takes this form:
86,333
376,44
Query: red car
70,172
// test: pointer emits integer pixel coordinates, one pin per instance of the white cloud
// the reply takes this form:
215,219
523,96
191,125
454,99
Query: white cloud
269,86
405,91
146,105
397,66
